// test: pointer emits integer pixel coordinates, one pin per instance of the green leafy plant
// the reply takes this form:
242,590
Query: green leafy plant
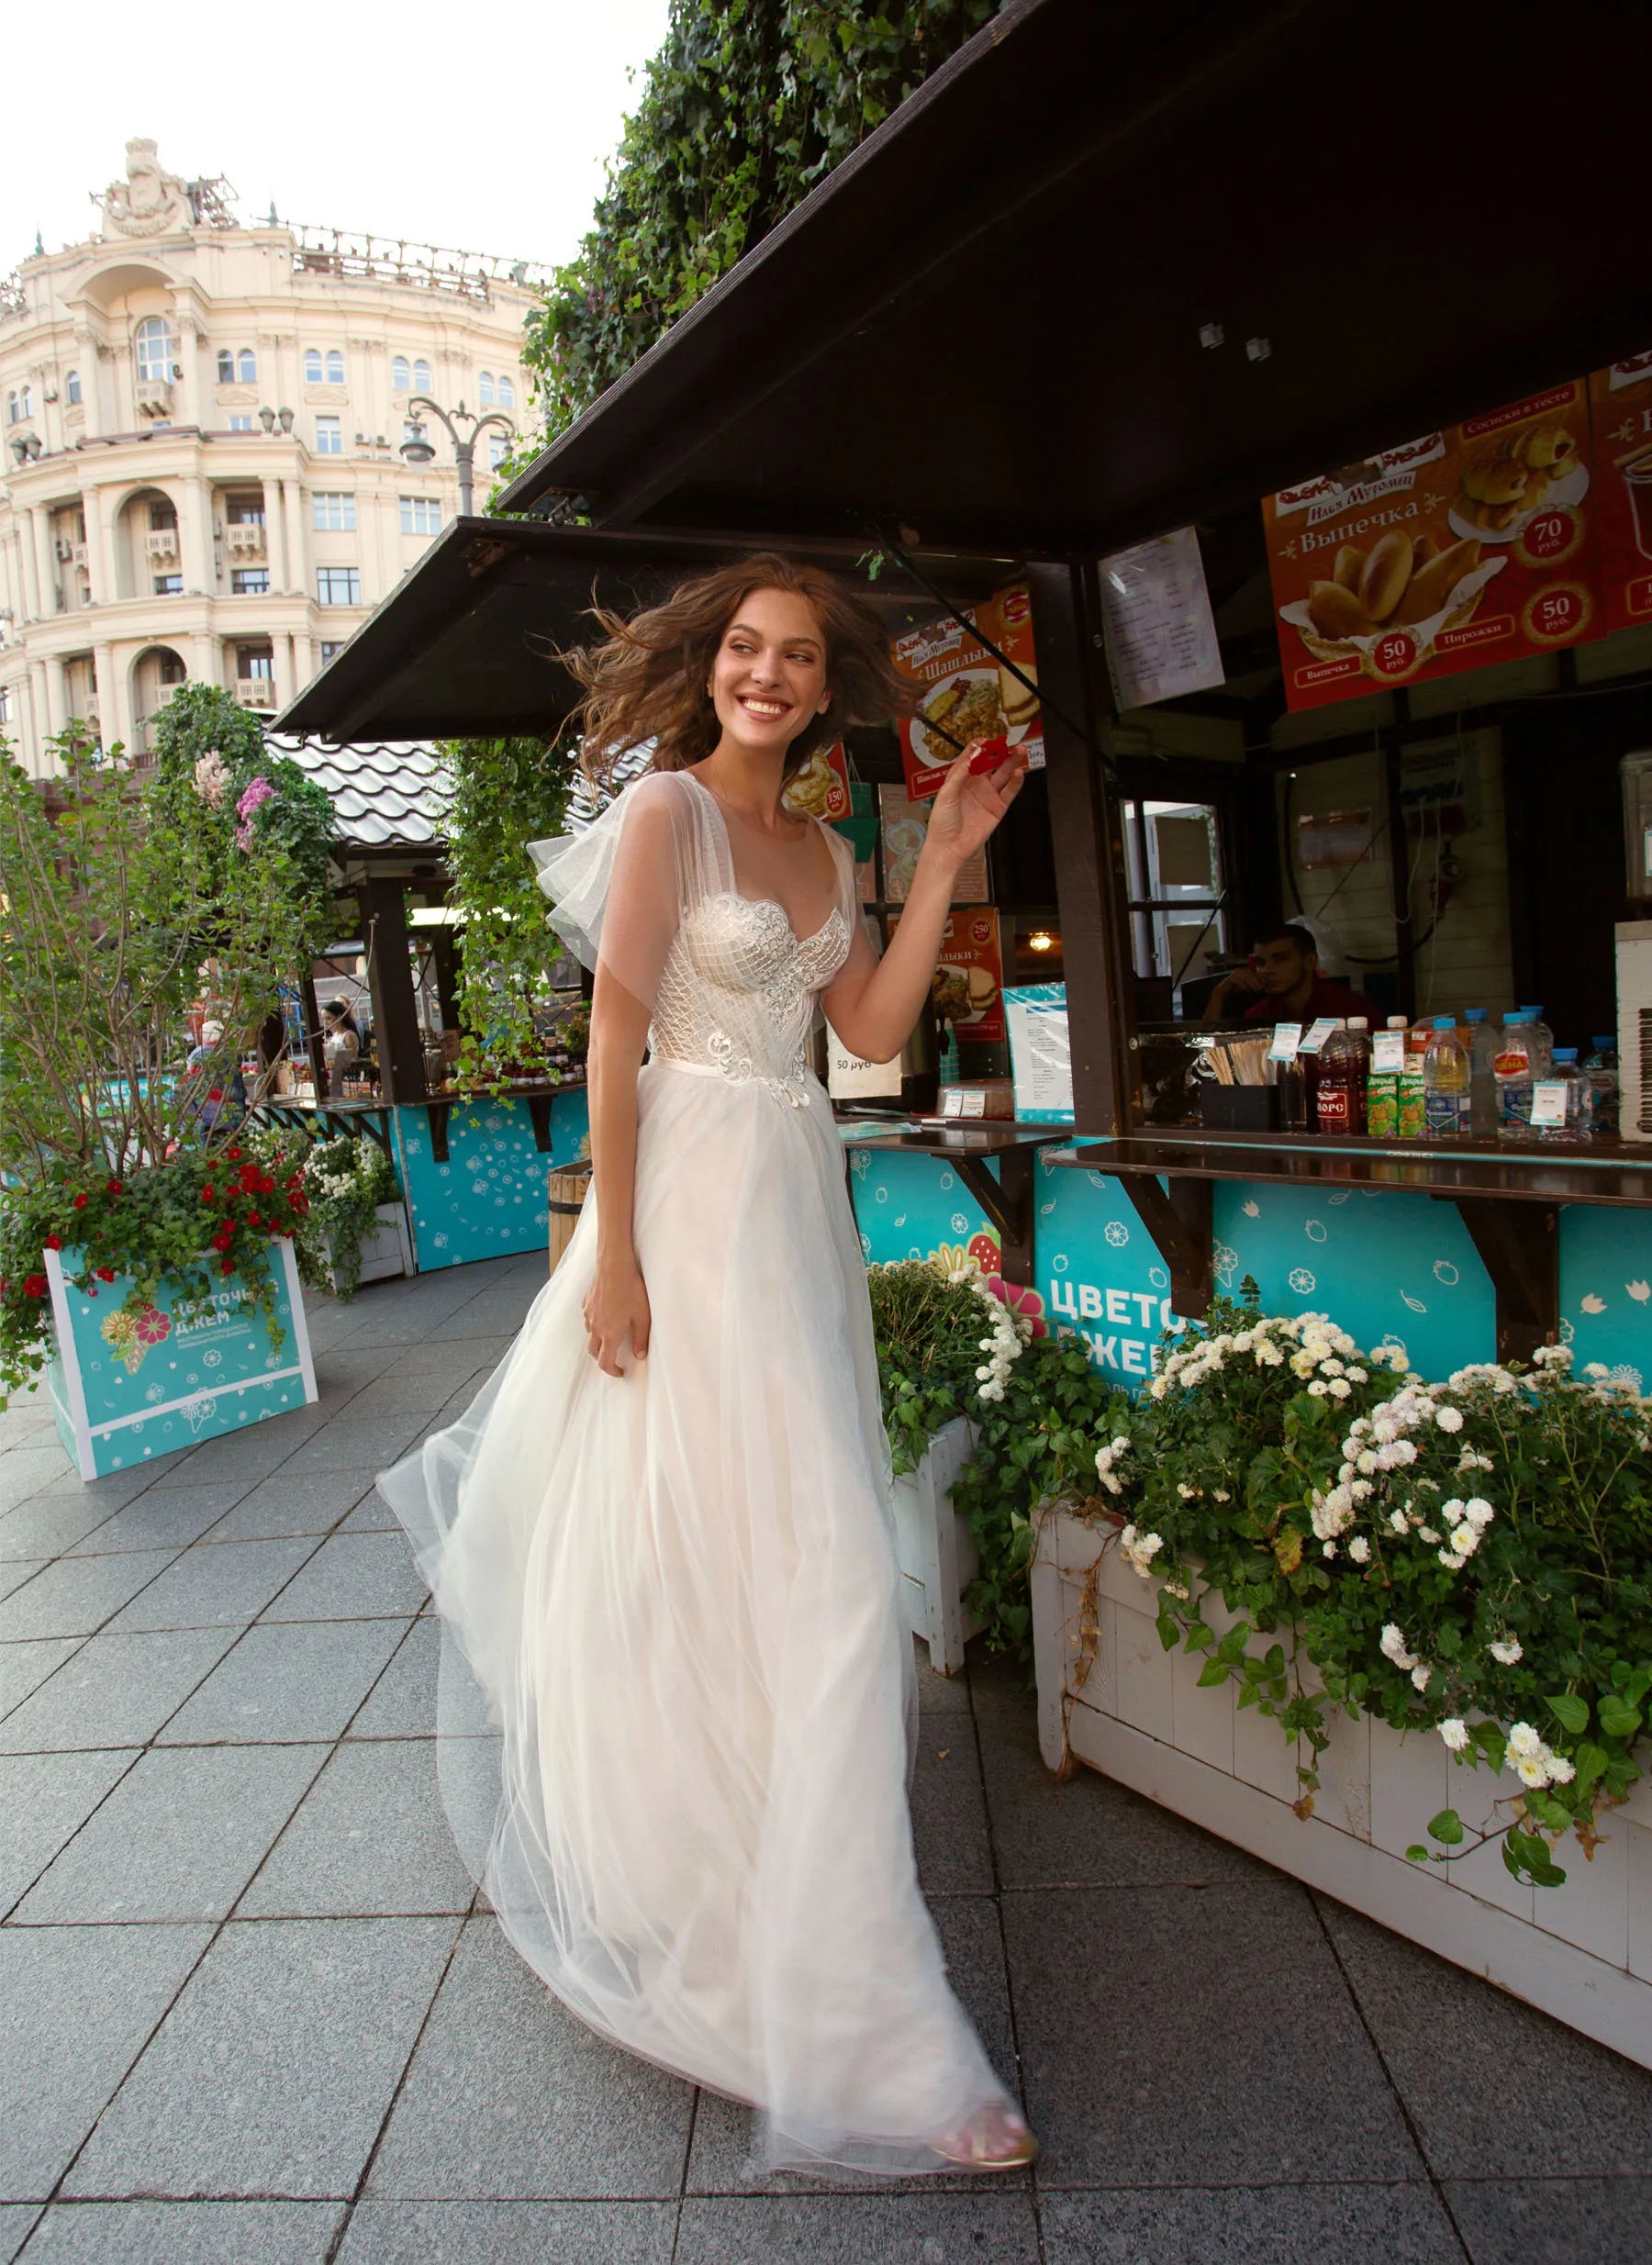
747,106
1469,1558
345,1180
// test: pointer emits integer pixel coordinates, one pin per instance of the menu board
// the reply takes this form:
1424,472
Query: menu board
1040,1053
1620,403
968,986
1161,633
819,787
905,824
1465,547
965,691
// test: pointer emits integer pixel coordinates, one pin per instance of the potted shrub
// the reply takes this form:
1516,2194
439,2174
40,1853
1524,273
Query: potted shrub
1393,1638
356,1230
145,1253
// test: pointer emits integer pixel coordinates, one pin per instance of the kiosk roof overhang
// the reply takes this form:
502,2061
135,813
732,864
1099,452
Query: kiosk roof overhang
989,323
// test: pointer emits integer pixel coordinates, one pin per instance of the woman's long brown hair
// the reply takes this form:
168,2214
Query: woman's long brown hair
647,678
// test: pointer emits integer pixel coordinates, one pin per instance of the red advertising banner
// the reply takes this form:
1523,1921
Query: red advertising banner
1620,402
968,983
966,691
1466,547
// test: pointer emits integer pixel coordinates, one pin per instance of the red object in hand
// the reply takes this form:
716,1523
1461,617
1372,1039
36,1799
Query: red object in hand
987,757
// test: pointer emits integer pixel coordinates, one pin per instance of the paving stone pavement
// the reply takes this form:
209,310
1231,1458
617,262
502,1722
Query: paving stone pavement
253,2014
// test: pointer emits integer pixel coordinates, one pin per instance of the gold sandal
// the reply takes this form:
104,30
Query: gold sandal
996,2139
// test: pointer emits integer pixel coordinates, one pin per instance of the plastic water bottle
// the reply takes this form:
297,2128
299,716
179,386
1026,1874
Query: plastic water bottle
1515,1067
1482,1079
1563,1072
1445,1082
1600,1068
1343,1064
1543,1041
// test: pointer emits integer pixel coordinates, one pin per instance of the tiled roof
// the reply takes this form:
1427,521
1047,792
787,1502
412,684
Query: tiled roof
393,794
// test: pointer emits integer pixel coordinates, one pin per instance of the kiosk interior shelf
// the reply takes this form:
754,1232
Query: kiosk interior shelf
1509,1203
1006,1197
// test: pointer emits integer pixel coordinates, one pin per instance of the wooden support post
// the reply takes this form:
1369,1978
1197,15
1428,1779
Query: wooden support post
1089,850
1178,1216
1519,1244
445,954
1008,1203
395,1006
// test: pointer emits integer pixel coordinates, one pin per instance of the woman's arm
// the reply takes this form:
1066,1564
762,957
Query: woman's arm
616,1305
873,1003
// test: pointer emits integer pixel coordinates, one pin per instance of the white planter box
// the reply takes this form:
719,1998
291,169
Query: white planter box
937,1552
1582,1952
387,1253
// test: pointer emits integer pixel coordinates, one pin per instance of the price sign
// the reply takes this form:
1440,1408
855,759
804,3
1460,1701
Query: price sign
1286,1042
1315,1035
1548,1101
1388,1050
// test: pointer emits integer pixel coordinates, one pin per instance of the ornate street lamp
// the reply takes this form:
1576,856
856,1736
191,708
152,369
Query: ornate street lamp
416,448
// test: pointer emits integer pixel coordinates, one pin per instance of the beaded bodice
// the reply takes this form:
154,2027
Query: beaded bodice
738,990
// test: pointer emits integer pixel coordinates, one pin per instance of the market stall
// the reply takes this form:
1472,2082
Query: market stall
1418,754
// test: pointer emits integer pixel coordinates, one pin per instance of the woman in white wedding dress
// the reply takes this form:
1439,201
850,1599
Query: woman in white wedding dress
678,1696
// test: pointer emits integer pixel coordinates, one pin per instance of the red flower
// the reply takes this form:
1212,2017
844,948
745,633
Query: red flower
105,1274
266,1185
214,1093
115,1188
254,1220
91,1290
223,1238
54,1242
34,1286
226,1266
207,1196
80,1203
233,1155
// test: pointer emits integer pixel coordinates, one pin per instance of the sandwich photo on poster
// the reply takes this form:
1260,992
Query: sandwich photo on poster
968,986
1620,401
1465,547
965,692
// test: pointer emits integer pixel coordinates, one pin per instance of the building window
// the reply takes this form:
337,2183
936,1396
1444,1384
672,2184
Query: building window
14,412
169,585
421,377
498,448
333,514
29,400
226,366
241,424
401,377
329,437
251,582
246,510
506,394
330,651
339,586
421,514
255,661
173,671
335,369
246,367
71,390
5,700
484,387
154,349
312,365
162,515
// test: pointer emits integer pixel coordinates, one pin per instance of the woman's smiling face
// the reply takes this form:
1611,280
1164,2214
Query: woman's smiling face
768,681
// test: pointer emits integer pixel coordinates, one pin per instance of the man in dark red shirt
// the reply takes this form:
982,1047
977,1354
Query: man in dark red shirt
1282,984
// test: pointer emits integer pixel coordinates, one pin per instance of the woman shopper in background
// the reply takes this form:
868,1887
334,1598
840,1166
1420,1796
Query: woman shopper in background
661,1538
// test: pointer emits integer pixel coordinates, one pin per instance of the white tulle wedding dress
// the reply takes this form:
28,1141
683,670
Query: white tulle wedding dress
678,1710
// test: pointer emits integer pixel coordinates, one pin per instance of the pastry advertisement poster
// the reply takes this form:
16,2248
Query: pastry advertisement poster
964,692
819,786
905,824
1621,410
969,984
1161,633
1461,549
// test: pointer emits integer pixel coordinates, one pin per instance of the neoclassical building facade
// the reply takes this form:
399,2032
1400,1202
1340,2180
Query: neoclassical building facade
201,421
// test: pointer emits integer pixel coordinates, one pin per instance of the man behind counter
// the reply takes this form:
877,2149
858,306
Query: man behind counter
1282,984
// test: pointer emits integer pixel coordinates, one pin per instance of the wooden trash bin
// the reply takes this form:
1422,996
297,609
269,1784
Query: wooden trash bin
566,1190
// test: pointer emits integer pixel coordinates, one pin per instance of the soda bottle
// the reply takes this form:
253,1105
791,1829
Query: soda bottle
1445,1082
1602,1071
1482,1078
1382,1095
1514,1067
1564,1072
1342,1078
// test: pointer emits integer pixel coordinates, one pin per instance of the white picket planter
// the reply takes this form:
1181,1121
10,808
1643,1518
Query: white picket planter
936,1549
387,1253
1582,1952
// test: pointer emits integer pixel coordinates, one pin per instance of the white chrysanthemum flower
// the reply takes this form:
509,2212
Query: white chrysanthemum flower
1328,1549
1340,1388
1530,1771
1450,1419
1398,1521
1223,1495
1508,1651
1428,1538
1455,1733
1393,1647
1420,1675
1318,1390
1478,1513
1450,1559
1359,1549
1465,1539
1560,1771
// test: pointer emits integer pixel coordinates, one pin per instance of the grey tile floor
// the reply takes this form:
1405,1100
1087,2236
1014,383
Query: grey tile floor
251,2014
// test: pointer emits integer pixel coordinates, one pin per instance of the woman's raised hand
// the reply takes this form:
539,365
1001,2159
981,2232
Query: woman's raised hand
970,804
616,1311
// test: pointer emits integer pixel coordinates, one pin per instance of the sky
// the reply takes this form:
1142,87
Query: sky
479,132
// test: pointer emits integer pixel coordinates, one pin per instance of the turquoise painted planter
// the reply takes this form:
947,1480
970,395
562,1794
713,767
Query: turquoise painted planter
124,1392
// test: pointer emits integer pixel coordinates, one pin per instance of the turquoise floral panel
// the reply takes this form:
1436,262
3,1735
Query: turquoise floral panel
487,1198
1098,1271
131,1382
1606,1290
911,1207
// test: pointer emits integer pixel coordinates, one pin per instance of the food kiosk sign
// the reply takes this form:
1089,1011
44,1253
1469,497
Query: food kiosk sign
962,689
1466,547
1621,410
